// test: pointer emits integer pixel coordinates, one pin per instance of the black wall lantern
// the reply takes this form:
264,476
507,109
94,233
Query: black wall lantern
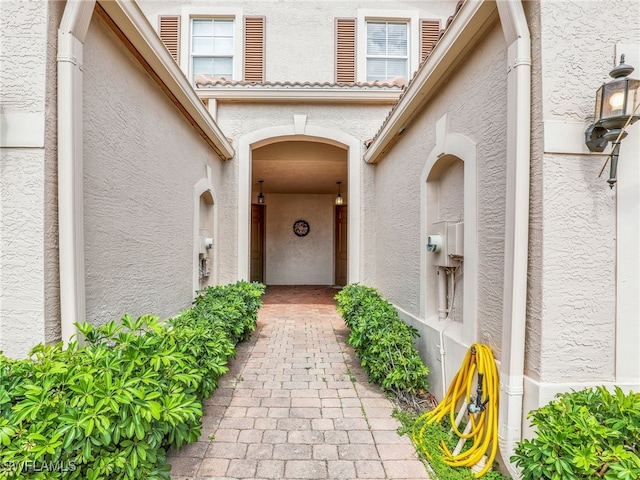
617,105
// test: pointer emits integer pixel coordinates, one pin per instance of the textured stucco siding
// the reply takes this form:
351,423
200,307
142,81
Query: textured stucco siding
577,244
360,121
23,56
21,250
301,30
293,260
477,92
51,260
142,161
533,334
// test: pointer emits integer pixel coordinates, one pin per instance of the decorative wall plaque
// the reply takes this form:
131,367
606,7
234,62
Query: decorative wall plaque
301,228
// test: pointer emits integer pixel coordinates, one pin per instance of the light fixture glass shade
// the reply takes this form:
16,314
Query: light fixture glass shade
260,195
616,101
339,200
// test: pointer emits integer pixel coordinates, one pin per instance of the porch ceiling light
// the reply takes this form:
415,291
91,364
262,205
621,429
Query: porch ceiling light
260,195
339,197
617,105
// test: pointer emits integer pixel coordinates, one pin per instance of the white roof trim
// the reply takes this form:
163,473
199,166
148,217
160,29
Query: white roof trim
472,18
271,94
131,21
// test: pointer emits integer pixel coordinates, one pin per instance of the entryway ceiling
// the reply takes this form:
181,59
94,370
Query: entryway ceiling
300,167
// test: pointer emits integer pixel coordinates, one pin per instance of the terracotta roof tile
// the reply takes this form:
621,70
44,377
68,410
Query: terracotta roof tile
215,82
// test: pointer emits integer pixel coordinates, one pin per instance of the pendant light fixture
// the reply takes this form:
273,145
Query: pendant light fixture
339,197
260,195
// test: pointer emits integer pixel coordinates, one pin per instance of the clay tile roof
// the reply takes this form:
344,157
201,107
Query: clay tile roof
215,82
449,20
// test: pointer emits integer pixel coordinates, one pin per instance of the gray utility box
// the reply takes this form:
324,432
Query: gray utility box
445,242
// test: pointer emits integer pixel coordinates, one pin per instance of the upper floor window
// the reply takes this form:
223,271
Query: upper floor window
383,45
214,42
212,47
387,50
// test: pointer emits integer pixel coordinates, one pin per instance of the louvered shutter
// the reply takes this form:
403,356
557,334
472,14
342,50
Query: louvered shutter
254,38
170,34
345,50
429,35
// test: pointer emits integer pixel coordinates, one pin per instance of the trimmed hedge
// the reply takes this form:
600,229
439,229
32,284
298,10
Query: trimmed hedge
588,434
382,341
111,409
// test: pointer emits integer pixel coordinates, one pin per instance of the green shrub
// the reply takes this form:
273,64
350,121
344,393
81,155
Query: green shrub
382,341
584,435
112,408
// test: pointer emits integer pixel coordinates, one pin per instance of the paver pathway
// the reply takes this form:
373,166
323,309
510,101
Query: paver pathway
296,404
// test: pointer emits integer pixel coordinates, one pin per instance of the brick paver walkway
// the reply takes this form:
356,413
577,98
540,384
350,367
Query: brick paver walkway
297,405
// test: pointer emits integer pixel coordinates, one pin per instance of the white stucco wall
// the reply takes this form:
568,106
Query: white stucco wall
399,210
142,161
23,159
300,30
578,250
293,260
360,121
398,185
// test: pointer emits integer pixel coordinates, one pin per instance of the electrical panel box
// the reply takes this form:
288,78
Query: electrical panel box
445,242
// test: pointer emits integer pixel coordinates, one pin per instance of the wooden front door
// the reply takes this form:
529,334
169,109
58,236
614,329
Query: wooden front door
341,245
257,243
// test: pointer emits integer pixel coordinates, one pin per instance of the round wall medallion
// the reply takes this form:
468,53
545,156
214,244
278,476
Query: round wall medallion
301,228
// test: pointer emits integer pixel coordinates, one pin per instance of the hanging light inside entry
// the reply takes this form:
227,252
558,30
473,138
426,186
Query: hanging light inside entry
260,195
339,197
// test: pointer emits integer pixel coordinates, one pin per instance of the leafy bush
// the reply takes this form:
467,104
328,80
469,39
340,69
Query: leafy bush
383,342
588,434
112,408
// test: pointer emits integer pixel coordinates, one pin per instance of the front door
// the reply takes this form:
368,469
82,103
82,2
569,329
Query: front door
257,243
341,245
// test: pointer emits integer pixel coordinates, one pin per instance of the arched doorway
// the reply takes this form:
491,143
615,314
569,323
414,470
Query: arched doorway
298,233
299,130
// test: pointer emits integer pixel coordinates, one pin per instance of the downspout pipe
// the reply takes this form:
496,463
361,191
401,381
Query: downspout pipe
71,36
518,39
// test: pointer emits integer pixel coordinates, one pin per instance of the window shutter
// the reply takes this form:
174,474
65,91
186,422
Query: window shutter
429,35
345,50
254,37
170,34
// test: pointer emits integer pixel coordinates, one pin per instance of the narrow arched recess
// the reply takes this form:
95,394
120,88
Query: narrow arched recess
204,234
451,164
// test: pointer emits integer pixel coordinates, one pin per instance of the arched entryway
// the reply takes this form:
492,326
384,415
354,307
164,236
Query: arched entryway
297,230
300,166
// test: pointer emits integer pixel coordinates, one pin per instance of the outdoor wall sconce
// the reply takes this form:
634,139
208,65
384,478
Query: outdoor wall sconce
339,197
617,105
260,195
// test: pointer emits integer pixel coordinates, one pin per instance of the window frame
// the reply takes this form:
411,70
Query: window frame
190,13
410,17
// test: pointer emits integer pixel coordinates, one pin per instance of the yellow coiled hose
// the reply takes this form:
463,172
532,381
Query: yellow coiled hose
484,424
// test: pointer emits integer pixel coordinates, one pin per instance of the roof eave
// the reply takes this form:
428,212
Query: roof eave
142,40
282,95
474,17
